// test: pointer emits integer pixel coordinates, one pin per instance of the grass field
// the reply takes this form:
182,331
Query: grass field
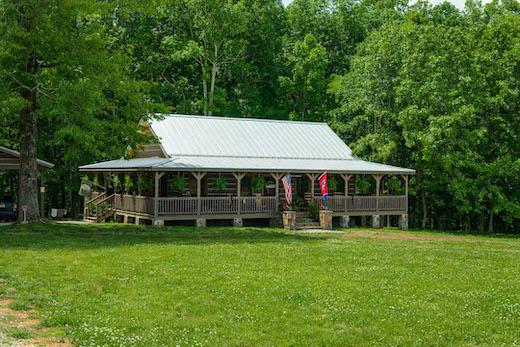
126,285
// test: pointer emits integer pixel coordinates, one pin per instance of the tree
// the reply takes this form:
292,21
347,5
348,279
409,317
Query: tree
436,93
60,74
211,32
306,85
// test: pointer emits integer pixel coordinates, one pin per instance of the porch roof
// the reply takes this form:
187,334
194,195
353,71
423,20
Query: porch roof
233,164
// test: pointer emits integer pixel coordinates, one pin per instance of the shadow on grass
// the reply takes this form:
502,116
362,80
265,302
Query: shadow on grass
49,236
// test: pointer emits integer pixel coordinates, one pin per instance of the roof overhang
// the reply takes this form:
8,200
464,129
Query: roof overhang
244,164
14,163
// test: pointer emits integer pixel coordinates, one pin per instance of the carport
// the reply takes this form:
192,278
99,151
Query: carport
10,161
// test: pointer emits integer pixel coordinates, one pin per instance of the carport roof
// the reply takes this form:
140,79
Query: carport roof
10,160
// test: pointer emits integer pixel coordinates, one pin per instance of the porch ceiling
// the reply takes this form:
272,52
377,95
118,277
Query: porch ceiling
246,164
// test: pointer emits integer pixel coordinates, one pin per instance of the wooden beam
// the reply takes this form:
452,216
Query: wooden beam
277,176
239,176
158,176
405,178
198,176
312,178
378,186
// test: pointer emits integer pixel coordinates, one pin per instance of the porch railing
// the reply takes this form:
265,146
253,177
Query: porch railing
139,204
251,205
364,203
264,204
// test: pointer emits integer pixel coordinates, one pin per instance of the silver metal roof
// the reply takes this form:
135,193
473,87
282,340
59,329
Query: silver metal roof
200,163
197,143
245,137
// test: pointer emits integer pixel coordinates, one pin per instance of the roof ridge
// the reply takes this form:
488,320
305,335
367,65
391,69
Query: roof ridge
173,156
268,120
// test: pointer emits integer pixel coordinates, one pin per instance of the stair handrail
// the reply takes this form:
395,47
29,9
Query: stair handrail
110,197
94,199
86,211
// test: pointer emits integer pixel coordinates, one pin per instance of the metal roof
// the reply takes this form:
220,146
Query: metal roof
16,154
200,163
245,137
197,143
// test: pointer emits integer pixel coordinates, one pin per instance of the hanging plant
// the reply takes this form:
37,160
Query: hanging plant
177,184
116,183
95,181
333,184
219,184
85,179
128,184
143,183
258,184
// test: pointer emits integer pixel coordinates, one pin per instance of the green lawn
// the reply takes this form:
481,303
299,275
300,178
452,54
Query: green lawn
126,285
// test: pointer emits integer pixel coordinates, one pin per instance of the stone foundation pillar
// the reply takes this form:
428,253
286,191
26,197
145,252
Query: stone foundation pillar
289,220
403,222
376,221
326,219
238,223
200,222
137,221
158,223
344,222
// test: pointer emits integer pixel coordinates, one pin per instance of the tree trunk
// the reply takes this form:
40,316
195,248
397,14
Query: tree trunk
28,188
490,226
214,69
205,89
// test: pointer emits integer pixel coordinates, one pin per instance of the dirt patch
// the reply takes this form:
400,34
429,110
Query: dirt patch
21,329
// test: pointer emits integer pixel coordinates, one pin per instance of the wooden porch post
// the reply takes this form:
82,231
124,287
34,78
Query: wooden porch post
405,178
312,178
158,176
378,185
105,182
277,177
198,176
42,194
239,177
346,178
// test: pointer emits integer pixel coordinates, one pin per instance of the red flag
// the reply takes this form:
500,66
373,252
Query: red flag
324,186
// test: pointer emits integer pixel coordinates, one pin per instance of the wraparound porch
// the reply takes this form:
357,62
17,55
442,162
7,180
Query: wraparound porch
239,201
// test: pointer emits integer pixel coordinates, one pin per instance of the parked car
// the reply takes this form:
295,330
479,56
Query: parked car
7,209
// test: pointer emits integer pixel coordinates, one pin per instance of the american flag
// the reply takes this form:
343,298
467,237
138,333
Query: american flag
286,180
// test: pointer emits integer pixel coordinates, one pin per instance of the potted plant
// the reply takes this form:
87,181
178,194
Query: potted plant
128,184
219,184
177,184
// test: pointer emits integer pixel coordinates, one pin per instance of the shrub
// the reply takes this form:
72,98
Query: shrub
314,211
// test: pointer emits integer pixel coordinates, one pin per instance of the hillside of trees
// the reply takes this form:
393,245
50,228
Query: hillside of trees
427,87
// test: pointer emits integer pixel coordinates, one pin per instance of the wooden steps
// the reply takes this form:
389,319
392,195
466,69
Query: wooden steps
304,222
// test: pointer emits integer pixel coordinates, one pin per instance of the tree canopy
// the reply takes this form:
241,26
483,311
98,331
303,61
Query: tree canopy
433,88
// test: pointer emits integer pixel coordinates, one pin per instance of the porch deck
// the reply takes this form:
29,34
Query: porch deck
189,208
